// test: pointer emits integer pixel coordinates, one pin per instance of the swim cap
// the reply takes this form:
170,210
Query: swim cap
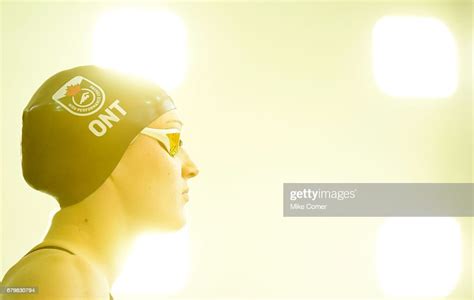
78,125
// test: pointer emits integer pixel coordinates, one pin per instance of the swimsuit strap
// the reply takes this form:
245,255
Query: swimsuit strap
59,248
49,247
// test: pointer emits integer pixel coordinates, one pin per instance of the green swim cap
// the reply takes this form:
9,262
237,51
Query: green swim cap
78,125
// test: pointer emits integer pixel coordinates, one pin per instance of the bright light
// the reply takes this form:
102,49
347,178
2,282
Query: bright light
150,44
419,257
158,265
414,57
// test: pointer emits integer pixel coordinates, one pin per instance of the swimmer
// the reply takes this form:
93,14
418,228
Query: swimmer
107,147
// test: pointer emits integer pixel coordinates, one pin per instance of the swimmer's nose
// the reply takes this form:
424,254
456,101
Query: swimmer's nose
189,169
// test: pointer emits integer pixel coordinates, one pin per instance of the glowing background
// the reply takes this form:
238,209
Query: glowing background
148,43
270,93
414,57
419,256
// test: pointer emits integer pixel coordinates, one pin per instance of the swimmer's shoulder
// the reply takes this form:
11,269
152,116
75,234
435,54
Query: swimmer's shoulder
57,275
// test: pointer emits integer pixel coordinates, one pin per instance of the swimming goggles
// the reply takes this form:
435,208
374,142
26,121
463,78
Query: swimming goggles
168,138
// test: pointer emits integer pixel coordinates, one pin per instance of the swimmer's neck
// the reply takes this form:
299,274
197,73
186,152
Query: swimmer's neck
97,229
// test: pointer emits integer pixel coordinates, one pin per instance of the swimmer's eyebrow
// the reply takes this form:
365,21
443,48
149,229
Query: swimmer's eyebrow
174,121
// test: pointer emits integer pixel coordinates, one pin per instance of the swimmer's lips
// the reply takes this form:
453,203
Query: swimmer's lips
186,195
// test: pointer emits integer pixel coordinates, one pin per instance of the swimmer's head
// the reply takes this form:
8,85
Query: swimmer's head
79,124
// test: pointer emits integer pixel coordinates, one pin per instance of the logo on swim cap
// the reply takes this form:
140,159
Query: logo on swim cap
80,96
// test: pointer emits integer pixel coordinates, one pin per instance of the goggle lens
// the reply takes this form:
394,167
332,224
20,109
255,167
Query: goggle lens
175,143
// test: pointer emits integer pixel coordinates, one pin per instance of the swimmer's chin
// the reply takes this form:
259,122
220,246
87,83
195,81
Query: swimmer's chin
168,227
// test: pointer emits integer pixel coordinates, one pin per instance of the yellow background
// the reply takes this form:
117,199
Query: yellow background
275,92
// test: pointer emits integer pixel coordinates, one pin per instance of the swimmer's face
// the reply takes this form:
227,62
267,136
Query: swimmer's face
154,184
